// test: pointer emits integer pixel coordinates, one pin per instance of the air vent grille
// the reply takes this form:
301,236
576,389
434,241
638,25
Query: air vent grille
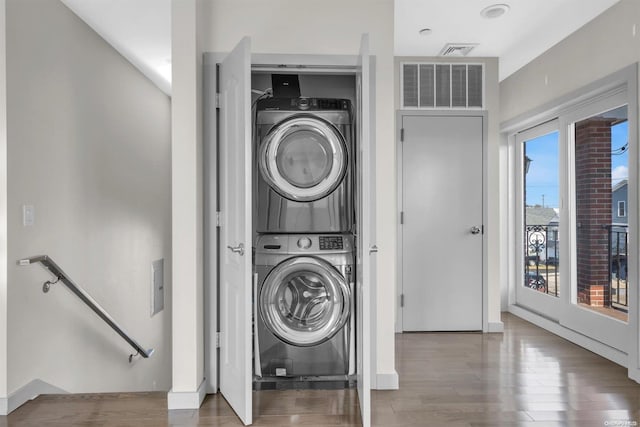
410,86
448,86
457,49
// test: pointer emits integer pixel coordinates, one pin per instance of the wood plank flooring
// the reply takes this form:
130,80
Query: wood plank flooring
524,377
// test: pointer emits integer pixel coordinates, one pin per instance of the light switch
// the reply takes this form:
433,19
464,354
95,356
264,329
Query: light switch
28,215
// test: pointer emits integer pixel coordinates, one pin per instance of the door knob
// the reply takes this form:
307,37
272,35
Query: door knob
475,230
373,249
237,249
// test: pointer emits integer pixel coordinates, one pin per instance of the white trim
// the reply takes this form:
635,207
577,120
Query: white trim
399,327
186,399
273,62
26,393
624,208
210,249
602,88
388,381
495,327
584,341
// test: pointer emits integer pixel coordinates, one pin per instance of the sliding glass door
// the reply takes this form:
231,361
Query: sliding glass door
572,213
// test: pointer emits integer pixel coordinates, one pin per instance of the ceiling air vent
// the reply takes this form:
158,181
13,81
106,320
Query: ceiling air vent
439,85
457,49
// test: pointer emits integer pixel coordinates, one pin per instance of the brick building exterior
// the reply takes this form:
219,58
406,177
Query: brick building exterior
593,209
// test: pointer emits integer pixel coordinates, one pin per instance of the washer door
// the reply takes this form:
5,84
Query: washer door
303,158
304,301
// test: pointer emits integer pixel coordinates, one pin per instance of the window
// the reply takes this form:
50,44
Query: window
622,209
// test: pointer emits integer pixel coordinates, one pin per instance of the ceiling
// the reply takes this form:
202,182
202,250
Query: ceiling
141,29
527,30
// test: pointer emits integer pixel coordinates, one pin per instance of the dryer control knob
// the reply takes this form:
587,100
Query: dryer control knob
304,243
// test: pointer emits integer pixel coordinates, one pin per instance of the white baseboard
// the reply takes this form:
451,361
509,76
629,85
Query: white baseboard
387,381
26,393
495,328
616,356
186,399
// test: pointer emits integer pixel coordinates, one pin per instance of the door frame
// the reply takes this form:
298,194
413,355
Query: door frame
329,64
400,114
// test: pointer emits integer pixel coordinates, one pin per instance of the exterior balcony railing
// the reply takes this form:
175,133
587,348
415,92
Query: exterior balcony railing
618,255
542,266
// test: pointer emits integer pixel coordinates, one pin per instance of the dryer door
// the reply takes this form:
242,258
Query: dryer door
304,301
303,158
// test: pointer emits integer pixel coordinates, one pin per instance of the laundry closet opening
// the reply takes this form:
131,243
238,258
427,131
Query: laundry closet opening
304,203
289,224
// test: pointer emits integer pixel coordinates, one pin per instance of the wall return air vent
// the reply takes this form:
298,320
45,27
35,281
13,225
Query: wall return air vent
442,86
457,49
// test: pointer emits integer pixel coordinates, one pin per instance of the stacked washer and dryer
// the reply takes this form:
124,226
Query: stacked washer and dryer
304,245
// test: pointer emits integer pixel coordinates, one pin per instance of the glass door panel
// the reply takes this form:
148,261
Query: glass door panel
601,170
538,180
542,214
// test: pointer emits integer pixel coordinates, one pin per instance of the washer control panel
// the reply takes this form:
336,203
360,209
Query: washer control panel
307,244
328,243
304,104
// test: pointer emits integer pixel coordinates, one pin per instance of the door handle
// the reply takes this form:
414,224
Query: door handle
237,249
373,249
475,230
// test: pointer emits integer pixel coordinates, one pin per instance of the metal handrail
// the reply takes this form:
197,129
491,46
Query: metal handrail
60,275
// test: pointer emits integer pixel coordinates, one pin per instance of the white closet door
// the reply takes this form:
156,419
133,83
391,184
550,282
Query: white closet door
235,230
366,275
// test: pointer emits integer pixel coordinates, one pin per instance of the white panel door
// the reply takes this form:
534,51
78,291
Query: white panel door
366,274
442,223
235,230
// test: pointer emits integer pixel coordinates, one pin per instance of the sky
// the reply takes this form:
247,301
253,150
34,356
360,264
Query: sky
542,180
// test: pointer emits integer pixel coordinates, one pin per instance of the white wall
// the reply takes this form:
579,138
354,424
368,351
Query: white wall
89,147
604,45
331,27
493,231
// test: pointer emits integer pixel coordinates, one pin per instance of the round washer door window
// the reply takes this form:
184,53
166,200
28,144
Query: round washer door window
304,301
304,158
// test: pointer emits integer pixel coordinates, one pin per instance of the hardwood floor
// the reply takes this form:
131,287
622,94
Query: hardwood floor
524,377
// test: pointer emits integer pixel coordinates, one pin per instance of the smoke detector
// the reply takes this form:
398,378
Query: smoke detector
457,49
